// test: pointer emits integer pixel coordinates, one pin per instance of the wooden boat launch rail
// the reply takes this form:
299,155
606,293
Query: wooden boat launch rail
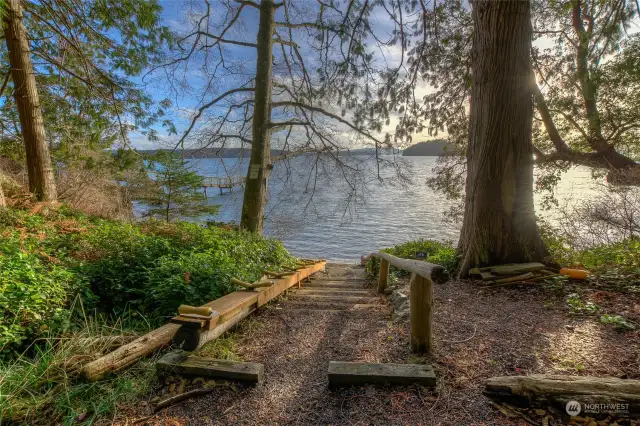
226,312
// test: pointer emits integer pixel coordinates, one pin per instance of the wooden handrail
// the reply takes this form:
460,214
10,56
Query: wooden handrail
420,294
426,270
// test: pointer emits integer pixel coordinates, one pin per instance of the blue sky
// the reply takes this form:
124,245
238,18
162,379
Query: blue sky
177,15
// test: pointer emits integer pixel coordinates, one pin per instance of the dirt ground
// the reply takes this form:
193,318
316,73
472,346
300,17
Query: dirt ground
478,332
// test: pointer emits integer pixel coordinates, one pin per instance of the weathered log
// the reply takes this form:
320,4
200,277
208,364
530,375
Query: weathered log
128,354
589,392
427,270
515,278
518,268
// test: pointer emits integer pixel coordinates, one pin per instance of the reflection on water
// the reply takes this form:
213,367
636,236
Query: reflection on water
321,216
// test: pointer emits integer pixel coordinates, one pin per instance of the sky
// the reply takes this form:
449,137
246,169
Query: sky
179,16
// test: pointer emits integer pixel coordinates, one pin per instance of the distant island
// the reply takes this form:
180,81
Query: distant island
429,148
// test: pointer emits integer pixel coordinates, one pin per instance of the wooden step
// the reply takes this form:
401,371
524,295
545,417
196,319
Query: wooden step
323,279
360,373
178,362
330,298
337,284
323,306
336,291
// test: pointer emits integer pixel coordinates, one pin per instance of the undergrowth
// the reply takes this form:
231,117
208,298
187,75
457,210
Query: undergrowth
431,251
43,388
117,268
127,276
615,266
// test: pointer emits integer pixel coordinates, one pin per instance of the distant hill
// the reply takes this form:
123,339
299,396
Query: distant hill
428,148
216,152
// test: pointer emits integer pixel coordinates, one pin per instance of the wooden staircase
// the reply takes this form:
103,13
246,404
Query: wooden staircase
327,292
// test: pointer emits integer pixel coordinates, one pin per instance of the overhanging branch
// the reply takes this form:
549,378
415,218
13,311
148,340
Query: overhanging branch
327,114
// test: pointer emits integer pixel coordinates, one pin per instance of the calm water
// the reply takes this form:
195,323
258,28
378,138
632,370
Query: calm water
317,216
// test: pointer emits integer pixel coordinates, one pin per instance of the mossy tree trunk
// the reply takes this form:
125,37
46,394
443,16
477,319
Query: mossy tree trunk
41,179
255,192
499,221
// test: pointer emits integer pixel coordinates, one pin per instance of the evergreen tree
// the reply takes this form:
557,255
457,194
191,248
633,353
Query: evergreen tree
178,192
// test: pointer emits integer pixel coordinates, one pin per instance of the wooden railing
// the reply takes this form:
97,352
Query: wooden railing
423,275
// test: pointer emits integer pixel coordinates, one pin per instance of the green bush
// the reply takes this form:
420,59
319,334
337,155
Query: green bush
443,254
33,295
116,267
617,263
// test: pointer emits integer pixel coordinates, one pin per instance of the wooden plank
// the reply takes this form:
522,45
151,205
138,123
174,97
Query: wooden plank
360,373
236,306
178,362
330,298
335,291
232,303
518,268
282,284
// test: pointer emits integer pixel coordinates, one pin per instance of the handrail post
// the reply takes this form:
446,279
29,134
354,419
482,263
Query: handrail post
421,308
383,276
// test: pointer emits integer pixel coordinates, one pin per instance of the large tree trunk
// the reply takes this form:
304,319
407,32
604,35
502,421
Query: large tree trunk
499,221
255,192
41,180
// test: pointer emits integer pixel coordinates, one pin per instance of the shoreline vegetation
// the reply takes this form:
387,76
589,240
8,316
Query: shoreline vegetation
72,286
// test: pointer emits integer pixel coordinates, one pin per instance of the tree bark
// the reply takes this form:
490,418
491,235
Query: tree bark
499,220
255,192
41,180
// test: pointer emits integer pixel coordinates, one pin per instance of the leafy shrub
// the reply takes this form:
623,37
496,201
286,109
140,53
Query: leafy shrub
616,263
443,254
117,267
33,294
618,322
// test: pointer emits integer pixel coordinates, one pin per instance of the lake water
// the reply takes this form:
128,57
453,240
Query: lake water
324,215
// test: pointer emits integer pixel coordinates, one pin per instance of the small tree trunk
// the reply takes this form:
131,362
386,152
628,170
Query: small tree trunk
3,201
255,192
499,221
41,180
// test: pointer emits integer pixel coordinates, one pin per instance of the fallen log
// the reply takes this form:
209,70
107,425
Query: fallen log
128,354
598,395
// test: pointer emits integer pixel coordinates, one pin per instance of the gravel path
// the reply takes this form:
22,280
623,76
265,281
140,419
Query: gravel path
479,334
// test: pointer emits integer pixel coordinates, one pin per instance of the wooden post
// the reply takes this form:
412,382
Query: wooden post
421,307
383,277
